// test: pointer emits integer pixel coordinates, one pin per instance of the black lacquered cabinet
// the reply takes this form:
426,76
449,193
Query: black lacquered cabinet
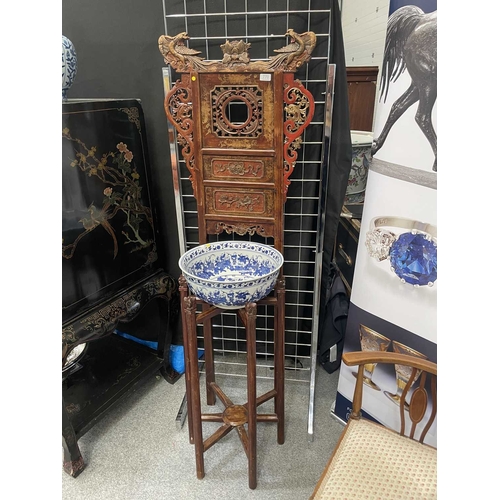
112,278
346,246
108,229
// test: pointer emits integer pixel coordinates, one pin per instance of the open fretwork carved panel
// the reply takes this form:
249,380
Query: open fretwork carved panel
237,110
239,124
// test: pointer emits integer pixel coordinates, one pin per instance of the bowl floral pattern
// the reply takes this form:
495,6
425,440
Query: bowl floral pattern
230,274
69,65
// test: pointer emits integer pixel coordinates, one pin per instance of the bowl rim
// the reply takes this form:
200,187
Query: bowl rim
262,245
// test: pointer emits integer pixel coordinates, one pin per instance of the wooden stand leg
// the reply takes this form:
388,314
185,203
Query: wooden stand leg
251,312
194,393
183,293
279,358
73,463
209,358
249,438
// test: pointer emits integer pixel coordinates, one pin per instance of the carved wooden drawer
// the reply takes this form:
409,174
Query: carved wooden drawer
239,201
242,169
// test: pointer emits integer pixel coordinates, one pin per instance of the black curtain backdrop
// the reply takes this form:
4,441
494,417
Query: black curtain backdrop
340,152
116,44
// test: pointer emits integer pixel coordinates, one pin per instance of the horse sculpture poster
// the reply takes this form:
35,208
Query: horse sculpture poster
411,52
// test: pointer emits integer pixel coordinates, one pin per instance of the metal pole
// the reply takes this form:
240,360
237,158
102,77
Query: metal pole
174,160
325,163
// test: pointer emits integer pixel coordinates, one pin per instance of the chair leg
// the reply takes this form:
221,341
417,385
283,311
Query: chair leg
209,358
195,401
183,292
251,312
279,358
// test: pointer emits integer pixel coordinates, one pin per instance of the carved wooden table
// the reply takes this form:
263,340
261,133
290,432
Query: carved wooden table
240,152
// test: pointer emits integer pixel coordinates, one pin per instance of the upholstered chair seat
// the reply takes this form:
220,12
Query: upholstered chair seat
373,462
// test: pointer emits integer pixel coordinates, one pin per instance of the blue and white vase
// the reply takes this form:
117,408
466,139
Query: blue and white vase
68,65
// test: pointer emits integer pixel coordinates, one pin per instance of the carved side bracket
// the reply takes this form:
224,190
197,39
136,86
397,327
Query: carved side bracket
179,110
299,110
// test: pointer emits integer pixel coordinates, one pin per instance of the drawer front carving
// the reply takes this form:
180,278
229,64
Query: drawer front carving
222,200
238,169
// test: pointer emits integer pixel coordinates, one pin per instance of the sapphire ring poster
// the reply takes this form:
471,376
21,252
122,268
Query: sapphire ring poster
393,303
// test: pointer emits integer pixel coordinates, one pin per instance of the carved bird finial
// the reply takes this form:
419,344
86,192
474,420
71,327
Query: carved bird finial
300,49
180,57
293,49
175,45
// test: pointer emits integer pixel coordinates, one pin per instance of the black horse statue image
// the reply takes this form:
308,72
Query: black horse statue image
411,43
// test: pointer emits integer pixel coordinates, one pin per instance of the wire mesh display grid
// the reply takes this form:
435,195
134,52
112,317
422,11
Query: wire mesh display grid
209,23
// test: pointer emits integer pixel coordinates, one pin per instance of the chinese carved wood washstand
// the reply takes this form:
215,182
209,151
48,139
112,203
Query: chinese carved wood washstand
240,147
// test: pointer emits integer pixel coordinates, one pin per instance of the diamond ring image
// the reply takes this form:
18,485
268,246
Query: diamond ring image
412,254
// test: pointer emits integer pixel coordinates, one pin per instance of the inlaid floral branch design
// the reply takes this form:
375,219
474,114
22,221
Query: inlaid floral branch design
116,170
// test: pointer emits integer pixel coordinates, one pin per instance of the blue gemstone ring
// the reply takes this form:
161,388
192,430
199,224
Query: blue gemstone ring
413,254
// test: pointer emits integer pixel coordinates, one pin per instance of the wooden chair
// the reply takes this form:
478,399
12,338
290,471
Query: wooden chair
372,461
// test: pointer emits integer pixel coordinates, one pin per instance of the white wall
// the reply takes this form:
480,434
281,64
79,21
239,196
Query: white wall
364,24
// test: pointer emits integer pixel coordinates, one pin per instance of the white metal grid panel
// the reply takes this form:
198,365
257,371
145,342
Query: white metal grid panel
209,23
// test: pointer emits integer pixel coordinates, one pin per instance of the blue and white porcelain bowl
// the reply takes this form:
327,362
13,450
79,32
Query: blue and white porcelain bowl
229,274
69,65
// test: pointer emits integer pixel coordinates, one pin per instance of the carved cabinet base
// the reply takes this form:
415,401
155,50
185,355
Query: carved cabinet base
111,369
112,366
